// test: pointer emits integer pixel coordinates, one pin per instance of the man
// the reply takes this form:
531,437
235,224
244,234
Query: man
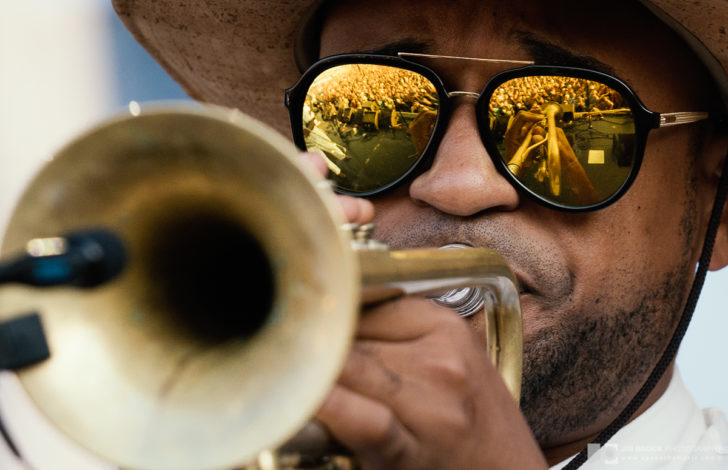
602,290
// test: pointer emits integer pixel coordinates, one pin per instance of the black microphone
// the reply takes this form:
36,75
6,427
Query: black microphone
85,258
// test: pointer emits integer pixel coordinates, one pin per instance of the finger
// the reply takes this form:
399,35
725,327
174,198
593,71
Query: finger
413,316
357,210
315,161
434,398
368,372
366,427
399,375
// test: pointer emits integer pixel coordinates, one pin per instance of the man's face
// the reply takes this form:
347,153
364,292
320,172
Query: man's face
601,291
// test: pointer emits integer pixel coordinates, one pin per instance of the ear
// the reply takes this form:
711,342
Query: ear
713,158
720,250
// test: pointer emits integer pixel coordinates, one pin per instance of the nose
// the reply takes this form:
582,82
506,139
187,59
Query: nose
463,179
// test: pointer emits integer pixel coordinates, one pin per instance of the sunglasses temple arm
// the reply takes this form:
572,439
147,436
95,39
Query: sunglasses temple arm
675,119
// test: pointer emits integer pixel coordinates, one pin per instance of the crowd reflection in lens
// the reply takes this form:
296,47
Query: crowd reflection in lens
567,139
530,93
371,121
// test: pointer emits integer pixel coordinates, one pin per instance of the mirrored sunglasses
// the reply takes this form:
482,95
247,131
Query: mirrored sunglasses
571,139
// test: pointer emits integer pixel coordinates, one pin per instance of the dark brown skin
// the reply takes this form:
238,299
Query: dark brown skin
602,291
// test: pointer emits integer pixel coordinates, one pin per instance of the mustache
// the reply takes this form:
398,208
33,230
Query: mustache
542,268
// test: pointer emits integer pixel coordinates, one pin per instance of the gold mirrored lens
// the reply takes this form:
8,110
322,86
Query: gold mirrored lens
569,140
371,123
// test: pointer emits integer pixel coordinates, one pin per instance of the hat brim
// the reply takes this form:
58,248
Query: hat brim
242,53
702,25
237,54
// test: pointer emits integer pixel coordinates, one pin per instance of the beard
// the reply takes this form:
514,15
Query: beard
591,365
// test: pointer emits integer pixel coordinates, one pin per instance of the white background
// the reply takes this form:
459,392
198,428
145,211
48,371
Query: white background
64,65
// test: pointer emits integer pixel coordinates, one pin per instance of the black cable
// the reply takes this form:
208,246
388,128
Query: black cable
669,354
13,448
8,440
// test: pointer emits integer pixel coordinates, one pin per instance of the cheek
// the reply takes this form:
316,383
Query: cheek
663,199
651,231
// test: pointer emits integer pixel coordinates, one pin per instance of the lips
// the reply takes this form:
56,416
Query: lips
524,285
537,260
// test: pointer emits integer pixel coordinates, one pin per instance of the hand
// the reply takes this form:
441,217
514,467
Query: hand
419,392
356,210
519,128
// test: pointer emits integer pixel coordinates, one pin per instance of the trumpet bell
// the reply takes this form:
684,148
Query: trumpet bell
212,220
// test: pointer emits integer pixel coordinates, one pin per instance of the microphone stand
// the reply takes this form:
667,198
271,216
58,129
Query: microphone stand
81,259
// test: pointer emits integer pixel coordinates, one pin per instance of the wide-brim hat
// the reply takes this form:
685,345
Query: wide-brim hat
244,53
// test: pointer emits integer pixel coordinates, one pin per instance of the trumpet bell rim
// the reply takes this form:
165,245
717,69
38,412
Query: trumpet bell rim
122,380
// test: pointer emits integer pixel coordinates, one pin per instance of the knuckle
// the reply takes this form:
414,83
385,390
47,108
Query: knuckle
388,443
379,432
450,368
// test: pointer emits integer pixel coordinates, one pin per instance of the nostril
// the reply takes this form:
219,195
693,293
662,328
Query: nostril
463,189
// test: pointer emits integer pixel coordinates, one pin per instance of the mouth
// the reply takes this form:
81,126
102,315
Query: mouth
523,282
524,287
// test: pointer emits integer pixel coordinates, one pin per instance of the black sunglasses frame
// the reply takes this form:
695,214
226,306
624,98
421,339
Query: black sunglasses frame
644,119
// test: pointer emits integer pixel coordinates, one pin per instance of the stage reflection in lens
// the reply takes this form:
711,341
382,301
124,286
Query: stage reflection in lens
569,140
371,122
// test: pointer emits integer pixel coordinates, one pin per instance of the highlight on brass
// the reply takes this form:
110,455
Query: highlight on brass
569,140
368,120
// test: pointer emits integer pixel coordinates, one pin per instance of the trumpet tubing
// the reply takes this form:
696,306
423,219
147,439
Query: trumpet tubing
238,306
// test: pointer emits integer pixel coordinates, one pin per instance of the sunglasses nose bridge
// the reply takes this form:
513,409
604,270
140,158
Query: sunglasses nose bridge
459,93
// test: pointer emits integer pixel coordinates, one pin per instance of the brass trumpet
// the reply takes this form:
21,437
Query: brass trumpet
239,302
